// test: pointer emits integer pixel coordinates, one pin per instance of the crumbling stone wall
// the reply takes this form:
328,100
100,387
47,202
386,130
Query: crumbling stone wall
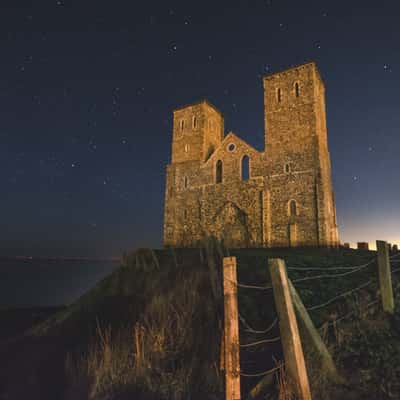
287,197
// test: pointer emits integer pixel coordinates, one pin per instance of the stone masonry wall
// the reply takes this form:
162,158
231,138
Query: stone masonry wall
287,199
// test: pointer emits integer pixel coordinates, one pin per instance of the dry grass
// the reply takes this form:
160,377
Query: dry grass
285,388
155,354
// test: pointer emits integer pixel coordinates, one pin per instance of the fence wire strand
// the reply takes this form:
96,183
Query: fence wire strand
349,314
331,268
392,257
251,330
273,340
324,276
316,307
270,371
245,286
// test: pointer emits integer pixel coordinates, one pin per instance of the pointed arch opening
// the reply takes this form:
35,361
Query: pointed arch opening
245,168
218,172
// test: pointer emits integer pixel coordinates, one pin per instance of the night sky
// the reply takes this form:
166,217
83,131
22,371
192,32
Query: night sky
87,90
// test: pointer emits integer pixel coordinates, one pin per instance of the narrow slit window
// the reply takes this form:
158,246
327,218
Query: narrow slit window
245,168
194,122
297,89
185,182
279,95
218,172
182,124
292,208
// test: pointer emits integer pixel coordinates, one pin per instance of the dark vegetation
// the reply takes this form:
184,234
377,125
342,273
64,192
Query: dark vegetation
17,320
152,330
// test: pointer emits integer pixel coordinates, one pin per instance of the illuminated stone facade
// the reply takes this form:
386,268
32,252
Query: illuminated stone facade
219,185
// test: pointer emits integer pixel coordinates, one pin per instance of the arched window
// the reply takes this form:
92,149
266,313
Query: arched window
194,122
292,208
182,124
279,95
286,168
297,89
218,172
186,148
185,182
245,168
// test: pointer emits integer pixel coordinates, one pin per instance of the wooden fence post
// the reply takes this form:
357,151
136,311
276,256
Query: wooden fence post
290,338
231,328
313,338
385,276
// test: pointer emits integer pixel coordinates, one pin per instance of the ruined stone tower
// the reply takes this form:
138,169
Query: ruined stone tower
219,185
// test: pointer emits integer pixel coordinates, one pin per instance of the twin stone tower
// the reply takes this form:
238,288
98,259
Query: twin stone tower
219,185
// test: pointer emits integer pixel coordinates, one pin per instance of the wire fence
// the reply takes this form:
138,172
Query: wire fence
350,270
258,374
344,294
252,330
329,273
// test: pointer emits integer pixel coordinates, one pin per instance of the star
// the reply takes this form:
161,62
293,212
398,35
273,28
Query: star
387,68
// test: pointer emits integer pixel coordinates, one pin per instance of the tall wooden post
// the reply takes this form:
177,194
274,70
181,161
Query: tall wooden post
385,276
312,337
290,338
231,322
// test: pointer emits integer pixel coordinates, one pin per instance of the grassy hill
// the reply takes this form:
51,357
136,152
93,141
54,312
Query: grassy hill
152,330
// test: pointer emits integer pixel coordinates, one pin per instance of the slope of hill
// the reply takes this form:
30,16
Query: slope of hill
152,329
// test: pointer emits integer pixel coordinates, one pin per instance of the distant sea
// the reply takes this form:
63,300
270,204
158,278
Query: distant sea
37,283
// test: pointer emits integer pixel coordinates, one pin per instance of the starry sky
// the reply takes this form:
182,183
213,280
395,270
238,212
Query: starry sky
87,90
